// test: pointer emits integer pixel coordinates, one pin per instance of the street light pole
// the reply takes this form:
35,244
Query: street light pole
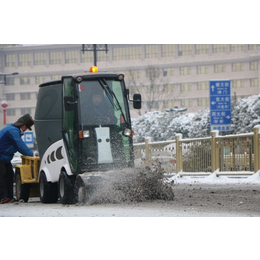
95,54
7,74
95,48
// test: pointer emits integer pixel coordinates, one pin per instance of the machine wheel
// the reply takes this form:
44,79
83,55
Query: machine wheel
79,190
22,191
48,191
66,188
84,188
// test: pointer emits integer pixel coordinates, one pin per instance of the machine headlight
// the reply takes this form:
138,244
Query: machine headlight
84,134
128,132
79,78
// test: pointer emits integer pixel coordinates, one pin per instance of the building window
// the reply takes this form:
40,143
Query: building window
24,59
71,57
156,104
152,73
131,74
168,103
10,60
56,77
238,66
202,69
168,72
254,65
25,96
184,49
237,47
55,57
185,71
10,96
254,82
151,51
186,103
218,68
127,53
101,56
9,81
25,110
152,104
237,83
168,50
25,81
10,112
39,58
39,79
87,56
253,46
153,89
185,87
202,102
204,85
217,48
170,88
201,48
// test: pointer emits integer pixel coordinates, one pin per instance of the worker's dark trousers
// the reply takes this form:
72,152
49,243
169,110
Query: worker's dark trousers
6,180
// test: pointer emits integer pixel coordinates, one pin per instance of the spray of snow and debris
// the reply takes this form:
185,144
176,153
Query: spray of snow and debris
130,185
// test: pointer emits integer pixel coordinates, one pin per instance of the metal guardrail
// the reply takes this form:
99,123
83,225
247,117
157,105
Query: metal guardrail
225,155
147,152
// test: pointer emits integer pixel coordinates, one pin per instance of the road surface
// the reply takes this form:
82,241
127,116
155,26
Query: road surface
191,200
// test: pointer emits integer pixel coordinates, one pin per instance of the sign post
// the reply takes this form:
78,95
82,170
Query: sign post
220,105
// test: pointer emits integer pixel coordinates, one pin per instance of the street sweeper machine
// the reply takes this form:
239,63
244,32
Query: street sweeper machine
83,129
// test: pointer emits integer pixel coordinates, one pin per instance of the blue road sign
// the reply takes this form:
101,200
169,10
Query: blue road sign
220,105
28,139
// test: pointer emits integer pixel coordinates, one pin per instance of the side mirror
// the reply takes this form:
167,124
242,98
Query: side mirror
69,103
137,98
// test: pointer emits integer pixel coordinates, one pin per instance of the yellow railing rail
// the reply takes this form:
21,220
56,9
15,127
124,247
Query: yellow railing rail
224,154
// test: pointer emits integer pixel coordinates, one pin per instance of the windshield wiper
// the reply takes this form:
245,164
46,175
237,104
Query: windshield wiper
111,96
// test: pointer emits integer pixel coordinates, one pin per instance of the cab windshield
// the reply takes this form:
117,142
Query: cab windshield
98,104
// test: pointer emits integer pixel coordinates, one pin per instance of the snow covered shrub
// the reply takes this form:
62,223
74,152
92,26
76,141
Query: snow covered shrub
162,126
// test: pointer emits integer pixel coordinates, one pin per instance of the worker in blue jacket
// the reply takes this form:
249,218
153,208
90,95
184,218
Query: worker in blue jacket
10,143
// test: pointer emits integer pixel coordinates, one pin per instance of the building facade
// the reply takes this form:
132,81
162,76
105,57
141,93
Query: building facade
167,75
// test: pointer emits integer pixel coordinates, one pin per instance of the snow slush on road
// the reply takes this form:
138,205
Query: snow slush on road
126,185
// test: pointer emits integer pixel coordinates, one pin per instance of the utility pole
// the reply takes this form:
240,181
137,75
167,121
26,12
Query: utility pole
95,48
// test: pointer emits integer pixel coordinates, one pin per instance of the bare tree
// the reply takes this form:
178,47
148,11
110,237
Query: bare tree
152,87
